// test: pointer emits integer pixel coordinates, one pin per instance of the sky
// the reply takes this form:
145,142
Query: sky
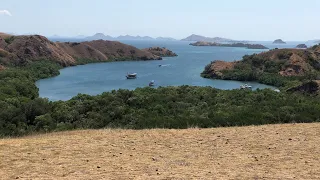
290,20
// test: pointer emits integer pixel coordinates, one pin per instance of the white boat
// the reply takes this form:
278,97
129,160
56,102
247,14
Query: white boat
131,76
151,83
246,86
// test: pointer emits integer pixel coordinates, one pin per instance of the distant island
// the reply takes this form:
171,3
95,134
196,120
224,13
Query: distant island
302,46
101,36
279,41
195,37
249,46
162,52
165,39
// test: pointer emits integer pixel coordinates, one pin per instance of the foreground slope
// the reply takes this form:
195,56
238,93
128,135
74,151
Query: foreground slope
256,152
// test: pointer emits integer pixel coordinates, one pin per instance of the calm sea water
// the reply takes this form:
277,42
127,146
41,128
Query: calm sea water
185,69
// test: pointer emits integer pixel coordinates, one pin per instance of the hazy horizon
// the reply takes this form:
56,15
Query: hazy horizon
239,20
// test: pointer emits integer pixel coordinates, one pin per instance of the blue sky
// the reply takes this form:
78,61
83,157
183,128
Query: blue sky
236,19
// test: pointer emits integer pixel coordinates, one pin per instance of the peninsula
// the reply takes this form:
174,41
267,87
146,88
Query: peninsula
278,67
21,50
248,46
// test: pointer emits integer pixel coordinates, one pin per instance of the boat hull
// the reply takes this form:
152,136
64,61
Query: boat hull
130,77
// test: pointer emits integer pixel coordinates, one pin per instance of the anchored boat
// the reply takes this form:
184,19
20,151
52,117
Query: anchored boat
151,83
246,86
132,76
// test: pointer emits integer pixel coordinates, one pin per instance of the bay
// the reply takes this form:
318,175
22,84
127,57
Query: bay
185,69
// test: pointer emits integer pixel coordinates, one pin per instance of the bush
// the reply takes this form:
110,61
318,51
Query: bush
9,40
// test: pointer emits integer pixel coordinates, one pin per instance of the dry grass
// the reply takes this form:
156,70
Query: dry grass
263,152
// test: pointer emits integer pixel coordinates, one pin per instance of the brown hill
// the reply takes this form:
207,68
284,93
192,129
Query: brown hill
286,62
288,151
18,50
162,52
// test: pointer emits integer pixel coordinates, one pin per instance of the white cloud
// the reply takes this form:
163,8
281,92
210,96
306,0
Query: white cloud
5,12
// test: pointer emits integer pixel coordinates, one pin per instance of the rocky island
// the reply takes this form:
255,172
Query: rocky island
302,46
162,52
20,50
248,46
279,41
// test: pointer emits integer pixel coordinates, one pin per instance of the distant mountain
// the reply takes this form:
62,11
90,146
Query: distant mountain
195,37
165,39
128,37
99,36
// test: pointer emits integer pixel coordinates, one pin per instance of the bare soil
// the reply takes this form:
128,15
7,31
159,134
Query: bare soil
288,151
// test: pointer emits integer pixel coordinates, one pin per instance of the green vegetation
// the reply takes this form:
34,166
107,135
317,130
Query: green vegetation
23,112
9,40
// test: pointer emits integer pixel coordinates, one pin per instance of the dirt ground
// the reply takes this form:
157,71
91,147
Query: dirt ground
289,151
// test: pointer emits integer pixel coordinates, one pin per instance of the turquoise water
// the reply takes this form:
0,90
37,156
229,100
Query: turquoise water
185,69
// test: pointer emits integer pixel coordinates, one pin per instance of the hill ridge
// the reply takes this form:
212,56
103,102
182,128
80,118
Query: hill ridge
19,50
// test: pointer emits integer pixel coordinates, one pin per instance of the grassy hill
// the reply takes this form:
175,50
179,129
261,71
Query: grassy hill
288,151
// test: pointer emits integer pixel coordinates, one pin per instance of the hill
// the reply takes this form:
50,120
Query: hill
256,152
162,52
99,36
278,41
19,50
248,46
302,46
273,67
